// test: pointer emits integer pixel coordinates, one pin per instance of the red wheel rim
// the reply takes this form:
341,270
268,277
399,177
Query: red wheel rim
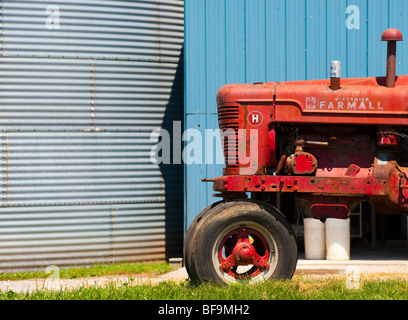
243,247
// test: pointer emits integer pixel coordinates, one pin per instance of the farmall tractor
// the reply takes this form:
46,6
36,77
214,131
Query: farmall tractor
325,145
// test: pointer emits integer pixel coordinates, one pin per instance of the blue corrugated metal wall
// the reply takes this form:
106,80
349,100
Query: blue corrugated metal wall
238,41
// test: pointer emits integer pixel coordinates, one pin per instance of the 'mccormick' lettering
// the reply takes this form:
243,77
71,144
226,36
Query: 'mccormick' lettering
344,103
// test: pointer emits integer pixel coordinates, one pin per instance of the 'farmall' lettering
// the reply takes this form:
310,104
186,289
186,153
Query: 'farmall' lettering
344,103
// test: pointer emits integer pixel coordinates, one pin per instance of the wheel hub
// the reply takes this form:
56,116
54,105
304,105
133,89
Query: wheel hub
244,253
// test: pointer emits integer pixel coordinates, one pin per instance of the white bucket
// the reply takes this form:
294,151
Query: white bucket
337,239
315,239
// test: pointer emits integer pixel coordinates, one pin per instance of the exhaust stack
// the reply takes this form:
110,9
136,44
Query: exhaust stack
391,36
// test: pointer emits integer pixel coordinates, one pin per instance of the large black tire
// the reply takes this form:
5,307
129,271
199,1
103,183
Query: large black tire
212,230
188,248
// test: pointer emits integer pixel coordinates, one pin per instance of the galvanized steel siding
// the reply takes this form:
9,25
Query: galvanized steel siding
239,41
123,30
33,238
45,94
134,94
65,168
78,104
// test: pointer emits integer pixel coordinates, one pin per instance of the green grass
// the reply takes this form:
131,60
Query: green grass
299,288
95,270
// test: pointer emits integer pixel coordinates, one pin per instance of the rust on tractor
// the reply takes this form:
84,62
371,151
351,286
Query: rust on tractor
319,141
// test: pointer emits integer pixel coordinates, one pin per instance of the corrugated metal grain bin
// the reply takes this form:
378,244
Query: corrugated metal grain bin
244,41
82,86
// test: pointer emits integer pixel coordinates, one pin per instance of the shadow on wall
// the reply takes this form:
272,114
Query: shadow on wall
173,174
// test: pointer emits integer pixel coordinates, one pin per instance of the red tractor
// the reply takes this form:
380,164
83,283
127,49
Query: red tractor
323,144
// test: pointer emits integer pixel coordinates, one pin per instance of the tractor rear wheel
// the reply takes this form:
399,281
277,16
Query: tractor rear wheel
241,240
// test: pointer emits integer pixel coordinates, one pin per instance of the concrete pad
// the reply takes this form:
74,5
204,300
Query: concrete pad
176,275
341,267
385,258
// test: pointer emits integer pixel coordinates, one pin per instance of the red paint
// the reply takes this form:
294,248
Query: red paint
237,247
270,155
391,34
301,163
339,211
330,147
